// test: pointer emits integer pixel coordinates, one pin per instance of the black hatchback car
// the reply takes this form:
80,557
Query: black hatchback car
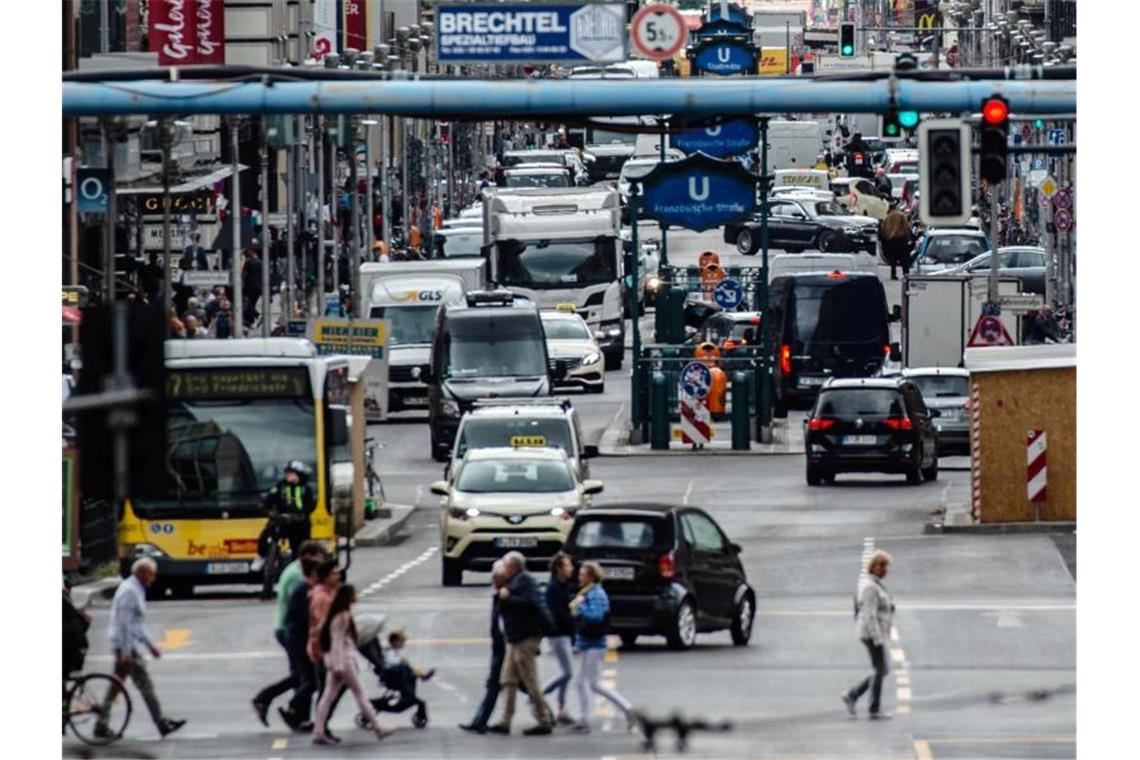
669,571
870,425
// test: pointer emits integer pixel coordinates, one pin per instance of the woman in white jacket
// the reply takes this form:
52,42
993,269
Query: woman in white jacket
874,613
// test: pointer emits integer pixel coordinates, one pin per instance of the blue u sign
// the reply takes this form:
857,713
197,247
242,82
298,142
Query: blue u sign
726,56
699,192
729,137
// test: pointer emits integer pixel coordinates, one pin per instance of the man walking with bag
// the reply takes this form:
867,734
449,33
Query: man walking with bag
525,622
874,614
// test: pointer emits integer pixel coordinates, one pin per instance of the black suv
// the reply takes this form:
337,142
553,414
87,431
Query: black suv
669,571
870,425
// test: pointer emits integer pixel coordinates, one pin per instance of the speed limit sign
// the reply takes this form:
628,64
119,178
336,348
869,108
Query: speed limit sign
659,31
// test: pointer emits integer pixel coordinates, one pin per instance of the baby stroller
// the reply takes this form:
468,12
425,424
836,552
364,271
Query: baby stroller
399,692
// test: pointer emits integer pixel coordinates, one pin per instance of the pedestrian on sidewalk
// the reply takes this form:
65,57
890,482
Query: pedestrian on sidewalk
292,576
320,601
560,589
525,622
338,647
478,723
591,608
127,632
874,612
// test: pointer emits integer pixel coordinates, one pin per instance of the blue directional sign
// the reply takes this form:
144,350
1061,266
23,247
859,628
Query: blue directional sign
718,27
696,379
725,56
736,15
698,192
728,294
524,32
729,137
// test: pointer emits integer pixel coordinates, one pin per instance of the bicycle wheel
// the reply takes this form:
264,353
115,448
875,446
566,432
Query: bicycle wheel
269,572
87,697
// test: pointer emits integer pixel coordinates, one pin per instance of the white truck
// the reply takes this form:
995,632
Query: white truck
939,313
561,246
794,144
408,294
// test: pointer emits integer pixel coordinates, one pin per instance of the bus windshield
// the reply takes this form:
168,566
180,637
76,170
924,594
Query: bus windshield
549,264
408,325
224,454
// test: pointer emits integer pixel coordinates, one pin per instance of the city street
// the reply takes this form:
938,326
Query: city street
983,623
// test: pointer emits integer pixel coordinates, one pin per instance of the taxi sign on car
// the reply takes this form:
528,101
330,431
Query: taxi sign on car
528,440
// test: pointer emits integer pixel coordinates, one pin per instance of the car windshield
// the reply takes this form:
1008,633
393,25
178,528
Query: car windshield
224,455
941,386
605,137
847,311
983,262
408,325
565,329
619,533
953,250
553,179
485,433
457,244
860,402
515,476
501,356
826,208
533,157
549,264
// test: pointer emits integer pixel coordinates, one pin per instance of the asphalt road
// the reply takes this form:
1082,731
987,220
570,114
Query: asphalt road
983,652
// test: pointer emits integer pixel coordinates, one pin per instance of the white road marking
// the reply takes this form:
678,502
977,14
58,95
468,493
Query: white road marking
280,743
688,493
904,693
399,571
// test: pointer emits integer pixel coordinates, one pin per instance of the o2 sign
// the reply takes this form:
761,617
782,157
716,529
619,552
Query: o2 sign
91,190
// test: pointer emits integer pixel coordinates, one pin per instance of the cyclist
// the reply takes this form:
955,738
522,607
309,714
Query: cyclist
289,504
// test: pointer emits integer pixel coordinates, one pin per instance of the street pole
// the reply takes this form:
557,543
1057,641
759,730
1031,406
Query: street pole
354,227
109,135
370,210
635,389
235,231
266,297
764,397
450,205
995,258
320,141
386,181
290,219
166,137
407,219
661,147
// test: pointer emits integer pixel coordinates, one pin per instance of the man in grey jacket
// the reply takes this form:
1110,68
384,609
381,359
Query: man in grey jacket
874,612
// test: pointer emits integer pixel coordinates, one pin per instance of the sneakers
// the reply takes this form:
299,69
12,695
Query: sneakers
168,726
102,732
581,728
381,732
565,720
256,565
473,728
542,729
881,716
499,728
262,710
847,700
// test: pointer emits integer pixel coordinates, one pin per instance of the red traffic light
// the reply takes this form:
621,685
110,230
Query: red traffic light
995,110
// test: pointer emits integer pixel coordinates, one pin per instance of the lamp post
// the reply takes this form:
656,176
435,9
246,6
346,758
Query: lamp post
235,229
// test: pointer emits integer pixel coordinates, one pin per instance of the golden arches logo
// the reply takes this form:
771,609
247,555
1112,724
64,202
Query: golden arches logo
925,22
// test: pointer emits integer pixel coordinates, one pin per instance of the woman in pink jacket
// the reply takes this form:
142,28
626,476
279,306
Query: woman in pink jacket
338,643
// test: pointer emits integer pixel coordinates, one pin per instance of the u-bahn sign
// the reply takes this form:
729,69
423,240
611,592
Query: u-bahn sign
725,55
718,28
736,15
698,192
727,138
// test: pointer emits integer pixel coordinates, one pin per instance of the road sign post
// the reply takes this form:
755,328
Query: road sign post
658,32
636,387
764,372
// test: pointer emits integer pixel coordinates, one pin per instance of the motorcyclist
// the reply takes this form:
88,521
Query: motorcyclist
858,157
289,504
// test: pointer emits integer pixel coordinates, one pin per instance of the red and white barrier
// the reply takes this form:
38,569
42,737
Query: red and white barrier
975,409
1035,474
696,421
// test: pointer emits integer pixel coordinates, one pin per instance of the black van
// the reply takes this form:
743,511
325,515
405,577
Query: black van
825,325
491,346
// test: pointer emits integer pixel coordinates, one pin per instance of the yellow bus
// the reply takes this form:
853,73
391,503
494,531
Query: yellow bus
237,412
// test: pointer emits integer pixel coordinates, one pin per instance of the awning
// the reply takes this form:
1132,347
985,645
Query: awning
188,185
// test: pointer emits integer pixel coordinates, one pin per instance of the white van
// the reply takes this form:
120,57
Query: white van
794,144
802,263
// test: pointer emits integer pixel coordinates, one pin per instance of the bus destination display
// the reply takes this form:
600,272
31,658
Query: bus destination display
238,382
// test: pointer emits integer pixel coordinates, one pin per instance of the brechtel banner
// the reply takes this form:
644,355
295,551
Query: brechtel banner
531,33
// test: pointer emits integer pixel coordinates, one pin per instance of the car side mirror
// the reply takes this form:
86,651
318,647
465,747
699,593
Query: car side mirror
424,374
896,352
590,452
896,313
338,426
590,487
599,335
440,488
736,548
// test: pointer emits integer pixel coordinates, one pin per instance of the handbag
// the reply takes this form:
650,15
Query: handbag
593,629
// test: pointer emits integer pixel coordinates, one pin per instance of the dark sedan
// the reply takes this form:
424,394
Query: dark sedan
799,224
669,571
1024,262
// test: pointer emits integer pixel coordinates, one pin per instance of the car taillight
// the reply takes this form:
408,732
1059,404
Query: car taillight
786,359
820,423
667,566
899,423
887,349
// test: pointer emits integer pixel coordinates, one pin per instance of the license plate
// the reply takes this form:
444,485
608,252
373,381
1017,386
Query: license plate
807,382
859,440
227,568
415,399
950,414
619,573
515,542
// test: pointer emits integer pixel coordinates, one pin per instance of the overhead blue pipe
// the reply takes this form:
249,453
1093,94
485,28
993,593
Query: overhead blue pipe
559,98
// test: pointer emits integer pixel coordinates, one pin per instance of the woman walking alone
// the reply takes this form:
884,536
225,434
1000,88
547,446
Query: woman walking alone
338,643
591,607
559,591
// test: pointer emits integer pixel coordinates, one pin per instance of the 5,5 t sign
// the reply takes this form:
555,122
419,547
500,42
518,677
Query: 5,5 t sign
658,32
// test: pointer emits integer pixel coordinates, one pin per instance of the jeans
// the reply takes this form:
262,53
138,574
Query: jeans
874,682
562,646
490,689
301,705
277,688
589,683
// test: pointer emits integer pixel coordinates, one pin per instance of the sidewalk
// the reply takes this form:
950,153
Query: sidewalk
958,519
786,439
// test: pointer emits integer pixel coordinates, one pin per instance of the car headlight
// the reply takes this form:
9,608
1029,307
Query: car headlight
449,407
460,513
591,358
852,231
147,550
654,283
565,513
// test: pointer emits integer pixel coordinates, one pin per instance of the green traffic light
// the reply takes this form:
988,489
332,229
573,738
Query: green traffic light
908,119
848,50
1039,123
891,130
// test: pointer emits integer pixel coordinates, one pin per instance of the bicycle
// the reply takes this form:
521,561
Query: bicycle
278,556
83,700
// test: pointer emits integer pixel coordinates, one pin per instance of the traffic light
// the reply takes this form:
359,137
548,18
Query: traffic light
846,40
944,172
891,125
994,139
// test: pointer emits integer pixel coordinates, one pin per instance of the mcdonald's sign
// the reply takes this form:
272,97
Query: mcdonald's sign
925,15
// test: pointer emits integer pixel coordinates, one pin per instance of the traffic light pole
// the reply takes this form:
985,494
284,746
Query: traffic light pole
635,389
995,259
764,374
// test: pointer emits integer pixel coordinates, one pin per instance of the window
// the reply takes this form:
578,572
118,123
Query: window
848,403
1030,259
618,533
489,432
565,329
515,476
953,250
700,533
408,325
942,386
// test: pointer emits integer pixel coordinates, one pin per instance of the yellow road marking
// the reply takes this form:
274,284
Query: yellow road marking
174,638
903,709
611,655
922,750
902,679
280,743
1055,739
